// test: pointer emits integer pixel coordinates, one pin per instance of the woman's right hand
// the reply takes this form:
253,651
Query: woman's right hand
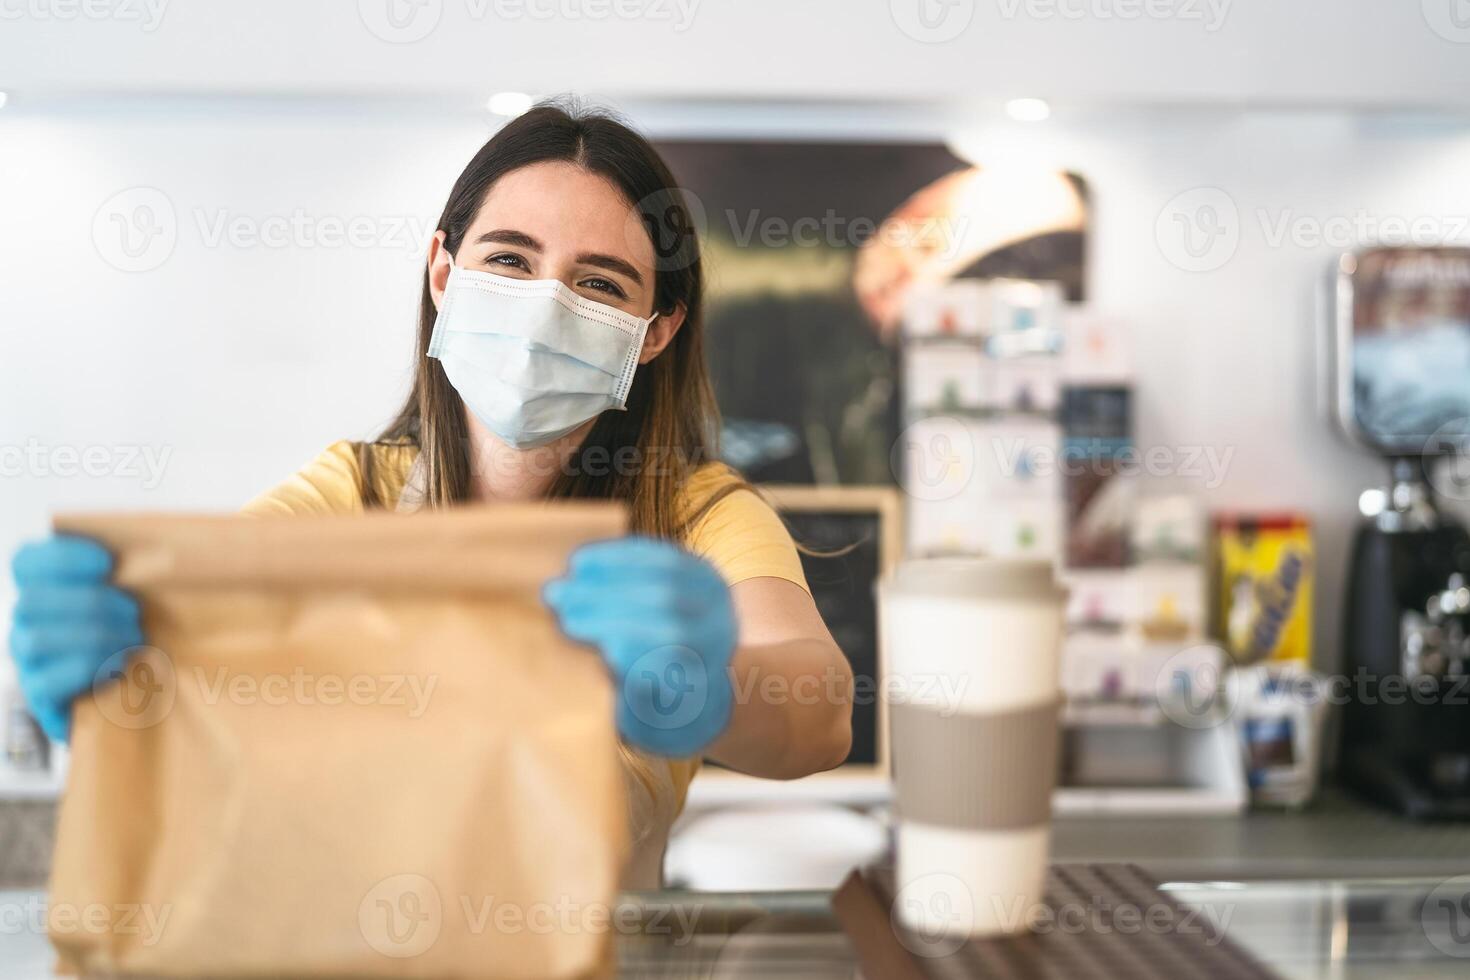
69,619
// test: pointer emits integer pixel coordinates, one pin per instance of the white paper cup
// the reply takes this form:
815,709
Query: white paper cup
972,658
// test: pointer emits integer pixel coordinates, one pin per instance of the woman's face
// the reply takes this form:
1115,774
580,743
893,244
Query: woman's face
557,221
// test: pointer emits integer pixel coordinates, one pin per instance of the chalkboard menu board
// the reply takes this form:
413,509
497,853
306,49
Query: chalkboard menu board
849,537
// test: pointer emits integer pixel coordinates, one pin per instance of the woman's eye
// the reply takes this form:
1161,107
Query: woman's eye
510,260
604,286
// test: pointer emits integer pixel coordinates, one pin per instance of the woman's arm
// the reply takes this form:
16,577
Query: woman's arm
792,686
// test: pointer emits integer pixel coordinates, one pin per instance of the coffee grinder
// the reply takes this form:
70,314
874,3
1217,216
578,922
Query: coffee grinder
1399,382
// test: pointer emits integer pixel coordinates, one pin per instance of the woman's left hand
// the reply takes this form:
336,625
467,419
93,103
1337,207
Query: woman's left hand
665,624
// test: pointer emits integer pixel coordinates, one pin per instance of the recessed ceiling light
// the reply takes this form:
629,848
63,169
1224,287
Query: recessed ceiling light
1028,110
509,103
3,99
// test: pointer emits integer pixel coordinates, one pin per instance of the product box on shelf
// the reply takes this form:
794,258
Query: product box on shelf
1024,306
1097,433
1181,676
1162,601
972,524
946,526
1017,457
1095,349
983,486
1022,384
1098,503
1263,582
935,459
1097,597
1023,528
998,507
957,377
1169,528
1168,600
1168,546
1098,664
1097,419
960,307
946,377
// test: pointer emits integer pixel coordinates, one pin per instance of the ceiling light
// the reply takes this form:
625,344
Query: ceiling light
509,103
1028,110
3,99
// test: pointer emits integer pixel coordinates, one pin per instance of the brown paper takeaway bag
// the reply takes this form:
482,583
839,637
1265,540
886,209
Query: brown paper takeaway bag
358,746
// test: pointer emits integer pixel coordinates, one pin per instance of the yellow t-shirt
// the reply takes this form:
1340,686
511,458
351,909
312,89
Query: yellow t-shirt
740,535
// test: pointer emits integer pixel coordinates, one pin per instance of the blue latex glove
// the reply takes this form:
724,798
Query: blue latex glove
68,621
664,623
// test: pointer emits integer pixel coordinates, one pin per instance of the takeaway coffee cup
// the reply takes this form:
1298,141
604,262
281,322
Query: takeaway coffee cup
972,650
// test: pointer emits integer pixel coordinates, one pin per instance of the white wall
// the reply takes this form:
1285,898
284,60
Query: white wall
233,361
241,361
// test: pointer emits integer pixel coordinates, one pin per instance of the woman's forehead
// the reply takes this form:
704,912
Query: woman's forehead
567,210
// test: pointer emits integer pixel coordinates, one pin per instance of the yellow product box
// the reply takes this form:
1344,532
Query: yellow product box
1264,569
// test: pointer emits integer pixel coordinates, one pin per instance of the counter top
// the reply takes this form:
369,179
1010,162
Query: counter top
1336,837
1326,929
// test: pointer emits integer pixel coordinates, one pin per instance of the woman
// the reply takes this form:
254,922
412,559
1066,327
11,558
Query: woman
559,356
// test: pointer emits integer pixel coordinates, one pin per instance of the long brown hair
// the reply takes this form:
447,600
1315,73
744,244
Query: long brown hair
641,456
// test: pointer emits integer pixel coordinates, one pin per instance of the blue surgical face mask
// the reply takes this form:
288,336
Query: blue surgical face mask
532,359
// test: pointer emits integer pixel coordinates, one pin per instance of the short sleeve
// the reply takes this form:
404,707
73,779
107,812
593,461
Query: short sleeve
744,538
329,484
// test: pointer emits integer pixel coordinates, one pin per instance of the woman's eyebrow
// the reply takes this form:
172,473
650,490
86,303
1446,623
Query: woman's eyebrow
507,236
611,263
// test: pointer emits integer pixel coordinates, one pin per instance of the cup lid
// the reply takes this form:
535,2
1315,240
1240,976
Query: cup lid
975,578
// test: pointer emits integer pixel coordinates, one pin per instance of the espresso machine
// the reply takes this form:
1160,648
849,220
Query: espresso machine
1399,386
